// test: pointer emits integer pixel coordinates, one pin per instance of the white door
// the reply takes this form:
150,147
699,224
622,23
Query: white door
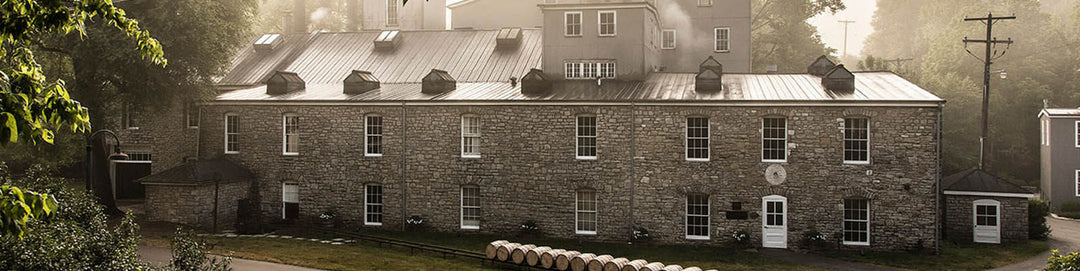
774,221
987,221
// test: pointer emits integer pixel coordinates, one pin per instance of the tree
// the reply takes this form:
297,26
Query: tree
781,35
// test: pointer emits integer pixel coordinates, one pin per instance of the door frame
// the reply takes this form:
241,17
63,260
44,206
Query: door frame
764,218
975,219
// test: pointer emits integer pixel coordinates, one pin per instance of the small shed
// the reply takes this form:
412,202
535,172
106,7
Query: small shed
983,208
193,192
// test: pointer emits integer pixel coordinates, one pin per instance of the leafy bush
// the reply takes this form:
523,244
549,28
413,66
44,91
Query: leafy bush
814,239
415,223
1070,209
189,254
742,238
1058,262
1037,212
530,228
641,234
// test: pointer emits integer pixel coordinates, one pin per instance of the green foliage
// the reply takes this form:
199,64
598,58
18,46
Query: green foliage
1058,262
1037,212
781,35
1070,209
18,207
189,254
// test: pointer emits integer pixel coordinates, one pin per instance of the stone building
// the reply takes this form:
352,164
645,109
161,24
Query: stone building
982,208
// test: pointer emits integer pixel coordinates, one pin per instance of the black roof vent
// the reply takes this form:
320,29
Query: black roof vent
708,80
359,82
535,83
268,42
839,79
437,82
388,40
283,83
821,66
508,37
711,64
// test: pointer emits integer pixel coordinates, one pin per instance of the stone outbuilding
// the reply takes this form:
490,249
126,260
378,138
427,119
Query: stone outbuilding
980,207
192,193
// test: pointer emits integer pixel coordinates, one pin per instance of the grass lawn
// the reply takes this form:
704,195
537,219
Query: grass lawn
364,256
953,256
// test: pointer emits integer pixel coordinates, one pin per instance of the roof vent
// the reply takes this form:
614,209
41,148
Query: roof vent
283,83
711,64
821,66
359,82
508,37
839,79
387,40
709,76
268,42
437,82
535,83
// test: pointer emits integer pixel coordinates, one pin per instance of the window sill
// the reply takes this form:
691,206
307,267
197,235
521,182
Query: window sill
662,48
697,159
586,158
470,156
472,228
571,36
585,232
866,244
372,155
193,127
605,36
372,224
773,161
232,152
291,154
721,51
132,128
697,238
860,163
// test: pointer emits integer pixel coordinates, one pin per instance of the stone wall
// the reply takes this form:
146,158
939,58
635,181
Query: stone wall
161,132
193,205
959,220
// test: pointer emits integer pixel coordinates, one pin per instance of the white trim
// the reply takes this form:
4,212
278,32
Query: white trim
580,23
600,23
708,139
462,209
975,218
578,137
765,218
716,40
285,136
1076,134
226,132
283,202
729,103
187,115
476,145
595,211
786,140
868,224
1077,182
368,134
547,6
844,147
132,161
707,215
674,39
367,203
989,194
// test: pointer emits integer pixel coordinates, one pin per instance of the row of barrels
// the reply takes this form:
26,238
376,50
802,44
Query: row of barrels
561,259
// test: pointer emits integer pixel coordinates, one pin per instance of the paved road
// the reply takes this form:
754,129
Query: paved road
161,256
1064,237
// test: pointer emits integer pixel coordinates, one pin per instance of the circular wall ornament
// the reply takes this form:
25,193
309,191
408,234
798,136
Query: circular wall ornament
775,174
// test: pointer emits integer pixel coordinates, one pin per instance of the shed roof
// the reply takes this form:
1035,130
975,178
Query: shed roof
977,180
1053,112
207,171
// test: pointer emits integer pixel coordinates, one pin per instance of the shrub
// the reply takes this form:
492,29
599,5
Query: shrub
641,234
189,254
415,223
1070,209
1058,262
530,228
1037,212
742,238
814,239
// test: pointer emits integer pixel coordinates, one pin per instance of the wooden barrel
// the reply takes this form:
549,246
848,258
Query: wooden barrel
562,261
580,263
518,254
616,264
673,267
491,247
695,268
597,264
532,257
502,253
547,259
634,265
654,266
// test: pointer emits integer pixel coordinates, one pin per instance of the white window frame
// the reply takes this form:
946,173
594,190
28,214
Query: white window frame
285,196
464,207
392,12
578,211
589,69
285,134
707,216
1044,132
475,120
368,135
717,40
566,23
579,136
600,23
846,140
131,119
707,138
663,39
784,145
191,114
704,3
1077,182
845,220
1076,137
368,204
235,133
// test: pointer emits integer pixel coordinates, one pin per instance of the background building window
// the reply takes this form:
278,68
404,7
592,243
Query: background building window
192,115
1077,180
585,212
856,222
232,133
697,216
470,136
774,140
291,134
373,132
697,138
722,39
1045,131
392,12
470,207
373,207
607,23
1077,137
704,3
856,140
131,118
290,200
590,69
572,20
586,137
668,39
139,156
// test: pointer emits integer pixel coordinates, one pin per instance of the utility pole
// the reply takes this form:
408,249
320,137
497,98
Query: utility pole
990,42
846,23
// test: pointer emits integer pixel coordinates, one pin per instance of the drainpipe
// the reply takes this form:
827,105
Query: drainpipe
404,133
937,183
633,178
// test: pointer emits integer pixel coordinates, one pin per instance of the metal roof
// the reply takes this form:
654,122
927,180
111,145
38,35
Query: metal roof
869,87
202,171
977,180
1060,112
252,67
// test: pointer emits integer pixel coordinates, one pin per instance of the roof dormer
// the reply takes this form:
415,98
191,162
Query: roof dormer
438,82
283,83
359,82
839,79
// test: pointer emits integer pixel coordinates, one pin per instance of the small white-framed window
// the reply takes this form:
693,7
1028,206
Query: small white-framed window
590,69
470,136
139,156
606,22
392,12
856,141
586,137
290,201
668,39
857,222
774,139
373,135
585,212
722,39
131,117
1044,132
697,217
191,115
373,205
986,212
697,139
232,133
1077,182
290,131
470,207
607,69
704,3
1077,135
572,22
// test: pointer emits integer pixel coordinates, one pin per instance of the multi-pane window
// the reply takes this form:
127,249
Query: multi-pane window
704,3
139,156
470,207
1077,180
986,215
373,132
232,133
774,140
392,12
1045,131
470,136
606,21
607,70
586,137
290,201
856,140
697,216
191,113
722,39
290,141
774,213
572,20
590,69
131,119
585,212
373,204
697,138
1077,137
856,221
668,39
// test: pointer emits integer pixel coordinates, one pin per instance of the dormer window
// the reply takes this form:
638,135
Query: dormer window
572,21
606,21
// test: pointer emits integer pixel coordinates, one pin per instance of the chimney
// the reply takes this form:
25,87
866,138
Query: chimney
284,83
299,17
709,76
438,82
508,37
839,79
359,82
535,83
821,66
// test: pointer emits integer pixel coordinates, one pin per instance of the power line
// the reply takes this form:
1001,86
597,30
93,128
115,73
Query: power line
846,23
992,53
